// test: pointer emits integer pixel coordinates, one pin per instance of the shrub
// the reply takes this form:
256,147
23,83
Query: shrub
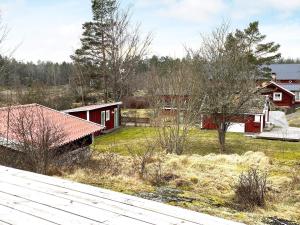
107,162
141,159
251,189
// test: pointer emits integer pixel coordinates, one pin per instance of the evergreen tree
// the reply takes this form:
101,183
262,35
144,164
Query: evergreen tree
251,42
111,51
96,44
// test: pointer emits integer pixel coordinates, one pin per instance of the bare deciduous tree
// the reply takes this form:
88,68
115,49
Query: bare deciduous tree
173,100
226,79
128,48
111,49
34,136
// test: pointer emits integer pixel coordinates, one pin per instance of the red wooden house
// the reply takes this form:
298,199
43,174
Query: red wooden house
279,94
284,89
108,115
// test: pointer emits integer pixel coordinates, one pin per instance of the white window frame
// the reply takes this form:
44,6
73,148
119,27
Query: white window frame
103,118
275,98
256,118
107,115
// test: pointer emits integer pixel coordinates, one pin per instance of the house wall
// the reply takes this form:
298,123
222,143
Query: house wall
287,98
95,116
82,115
250,125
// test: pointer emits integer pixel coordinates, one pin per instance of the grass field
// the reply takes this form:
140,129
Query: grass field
201,173
140,113
201,142
294,119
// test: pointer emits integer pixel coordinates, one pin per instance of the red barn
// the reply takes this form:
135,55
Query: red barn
108,115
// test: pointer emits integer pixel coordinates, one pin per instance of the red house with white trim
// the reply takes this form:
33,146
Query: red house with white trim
253,121
108,115
280,95
284,89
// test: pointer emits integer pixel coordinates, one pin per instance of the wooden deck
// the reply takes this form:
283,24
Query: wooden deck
33,199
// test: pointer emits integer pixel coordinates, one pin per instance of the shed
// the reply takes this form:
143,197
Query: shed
252,121
34,125
73,128
107,115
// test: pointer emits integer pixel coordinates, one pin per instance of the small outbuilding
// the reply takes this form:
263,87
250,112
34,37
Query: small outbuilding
36,129
254,120
107,115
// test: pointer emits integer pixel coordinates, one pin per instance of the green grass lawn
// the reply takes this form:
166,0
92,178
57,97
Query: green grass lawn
201,142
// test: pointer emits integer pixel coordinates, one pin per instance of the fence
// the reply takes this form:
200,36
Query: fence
135,121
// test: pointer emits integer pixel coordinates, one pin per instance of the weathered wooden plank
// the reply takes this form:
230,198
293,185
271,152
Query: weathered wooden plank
15,217
118,199
67,206
48,213
149,217
4,223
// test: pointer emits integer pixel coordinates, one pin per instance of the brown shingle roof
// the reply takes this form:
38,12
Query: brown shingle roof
73,128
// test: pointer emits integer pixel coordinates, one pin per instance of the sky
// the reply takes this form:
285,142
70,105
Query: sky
50,30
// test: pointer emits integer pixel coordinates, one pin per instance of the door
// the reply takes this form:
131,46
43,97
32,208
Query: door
116,117
103,118
236,127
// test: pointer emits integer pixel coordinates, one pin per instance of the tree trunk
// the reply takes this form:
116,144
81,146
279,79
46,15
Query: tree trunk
222,137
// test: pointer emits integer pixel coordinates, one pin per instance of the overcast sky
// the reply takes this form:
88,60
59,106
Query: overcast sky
51,29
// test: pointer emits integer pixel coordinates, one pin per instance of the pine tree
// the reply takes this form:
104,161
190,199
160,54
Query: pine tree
96,44
251,42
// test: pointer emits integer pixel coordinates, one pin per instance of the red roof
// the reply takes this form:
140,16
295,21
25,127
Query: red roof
73,128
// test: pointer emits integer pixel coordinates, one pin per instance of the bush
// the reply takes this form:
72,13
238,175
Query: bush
251,189
108,162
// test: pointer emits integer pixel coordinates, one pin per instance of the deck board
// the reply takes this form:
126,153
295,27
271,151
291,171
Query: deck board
49,200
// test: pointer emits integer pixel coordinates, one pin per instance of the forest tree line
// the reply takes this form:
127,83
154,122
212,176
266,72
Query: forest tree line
26,74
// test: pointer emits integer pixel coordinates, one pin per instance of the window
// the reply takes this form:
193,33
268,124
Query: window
297,95
107,115
257,119
277,96
103,118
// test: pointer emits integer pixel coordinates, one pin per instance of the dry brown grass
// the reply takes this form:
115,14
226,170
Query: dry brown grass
209,179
